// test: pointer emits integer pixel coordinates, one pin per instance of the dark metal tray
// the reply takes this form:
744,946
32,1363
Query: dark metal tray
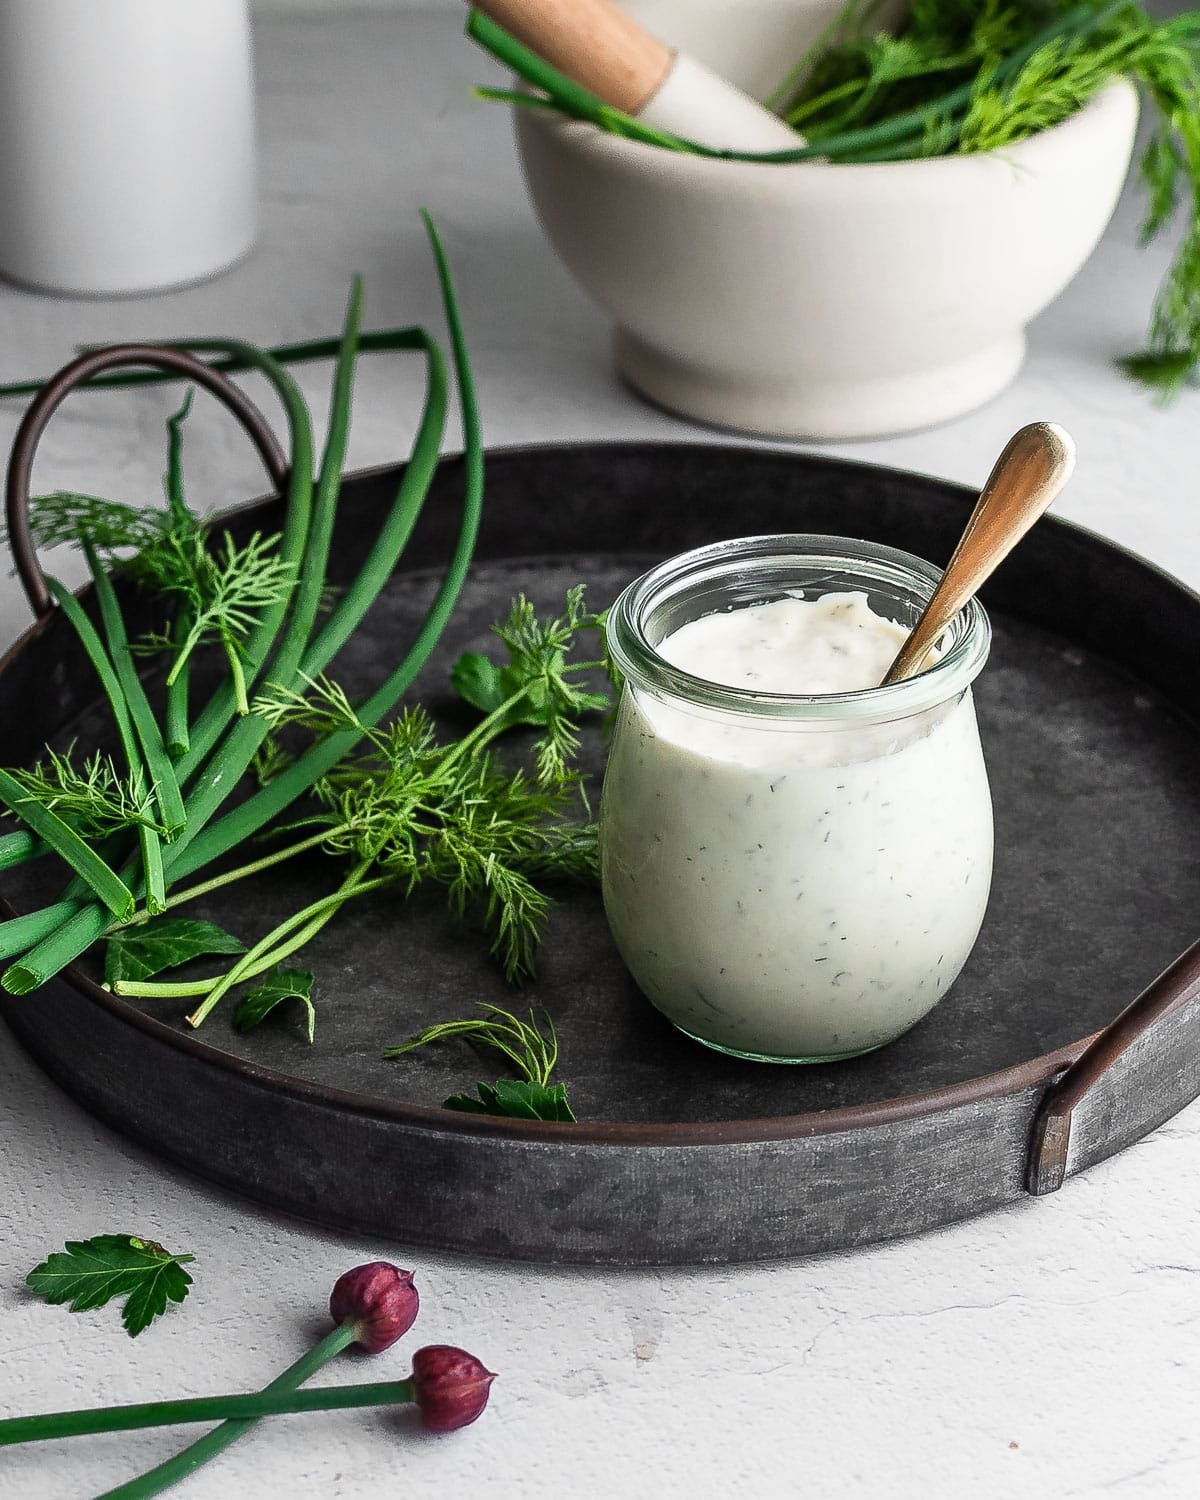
1088,710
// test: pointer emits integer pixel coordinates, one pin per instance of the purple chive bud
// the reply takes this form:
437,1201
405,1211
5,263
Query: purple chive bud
379,1299
451,1387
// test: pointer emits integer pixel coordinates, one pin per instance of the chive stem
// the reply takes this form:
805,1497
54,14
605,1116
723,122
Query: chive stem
387,547
326,906
159,766
118,701
18,848
152,868
63,944
234,358
19,934
63,839
176,721
239,1408
180,1465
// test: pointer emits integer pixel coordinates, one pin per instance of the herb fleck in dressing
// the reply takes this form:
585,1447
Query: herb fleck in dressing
785,888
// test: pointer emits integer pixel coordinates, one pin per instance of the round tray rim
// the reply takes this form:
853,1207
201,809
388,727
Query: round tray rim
1033,1072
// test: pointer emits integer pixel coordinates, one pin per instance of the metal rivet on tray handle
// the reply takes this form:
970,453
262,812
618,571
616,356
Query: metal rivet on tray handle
52,394
1050,1142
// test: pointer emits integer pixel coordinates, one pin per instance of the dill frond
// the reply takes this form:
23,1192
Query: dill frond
533,1053
94,798
449,814
65,518
323,710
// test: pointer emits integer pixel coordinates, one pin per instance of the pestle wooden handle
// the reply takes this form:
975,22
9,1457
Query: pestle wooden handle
593,42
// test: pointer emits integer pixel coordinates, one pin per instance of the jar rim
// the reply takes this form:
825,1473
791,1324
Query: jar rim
637,658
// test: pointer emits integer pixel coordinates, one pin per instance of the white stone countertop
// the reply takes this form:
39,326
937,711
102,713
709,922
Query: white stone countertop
1050,1349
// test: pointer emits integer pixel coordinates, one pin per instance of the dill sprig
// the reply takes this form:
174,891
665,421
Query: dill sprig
536,676
868,79
451,815
224,592
533,1054
93,797
65,517
221,589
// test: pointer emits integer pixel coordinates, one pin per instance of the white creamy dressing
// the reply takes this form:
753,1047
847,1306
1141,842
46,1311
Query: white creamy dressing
834,644
787,889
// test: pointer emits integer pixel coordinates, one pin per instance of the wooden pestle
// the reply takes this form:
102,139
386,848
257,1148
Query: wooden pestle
593,42
599,46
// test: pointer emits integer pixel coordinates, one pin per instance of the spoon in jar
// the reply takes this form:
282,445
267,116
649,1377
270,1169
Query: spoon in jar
1028,477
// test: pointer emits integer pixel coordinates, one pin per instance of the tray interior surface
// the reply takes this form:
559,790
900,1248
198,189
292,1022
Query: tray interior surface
1097,799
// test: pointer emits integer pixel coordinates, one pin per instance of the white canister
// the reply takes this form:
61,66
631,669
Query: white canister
127,159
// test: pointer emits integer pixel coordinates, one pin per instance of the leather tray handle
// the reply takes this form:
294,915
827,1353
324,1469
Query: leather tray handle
1177,987
54,392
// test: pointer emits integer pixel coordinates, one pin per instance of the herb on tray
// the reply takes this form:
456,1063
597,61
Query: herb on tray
533,1054
517,1099
411,810
964,76
95,797
279,985
90,1273
391,801
219,592
278,631
142,950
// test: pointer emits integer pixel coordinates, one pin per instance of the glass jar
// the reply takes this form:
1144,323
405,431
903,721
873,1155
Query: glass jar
793,878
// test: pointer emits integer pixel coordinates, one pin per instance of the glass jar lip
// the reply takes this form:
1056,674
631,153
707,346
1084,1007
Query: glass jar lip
636,657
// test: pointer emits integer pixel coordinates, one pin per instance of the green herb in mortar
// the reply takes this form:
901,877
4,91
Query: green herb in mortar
969,76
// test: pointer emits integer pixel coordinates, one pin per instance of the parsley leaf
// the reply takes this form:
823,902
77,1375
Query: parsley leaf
279,985
518,1099
140,952
90,1273
479,681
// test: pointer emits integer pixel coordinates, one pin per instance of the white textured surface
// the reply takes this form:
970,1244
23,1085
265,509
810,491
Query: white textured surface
1052,1349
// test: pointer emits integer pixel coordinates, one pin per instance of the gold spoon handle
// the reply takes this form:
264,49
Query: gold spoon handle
1027,478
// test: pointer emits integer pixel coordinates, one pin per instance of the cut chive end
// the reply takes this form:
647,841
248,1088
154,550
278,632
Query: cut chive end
18,980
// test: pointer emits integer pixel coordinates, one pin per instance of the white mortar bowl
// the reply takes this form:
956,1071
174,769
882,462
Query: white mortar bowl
821,301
